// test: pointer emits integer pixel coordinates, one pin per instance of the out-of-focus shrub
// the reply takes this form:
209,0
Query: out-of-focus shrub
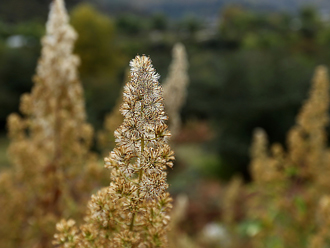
287,204
52,165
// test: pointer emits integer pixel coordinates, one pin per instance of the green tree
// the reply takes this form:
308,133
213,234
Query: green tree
101,60
95,44
159,22
131,24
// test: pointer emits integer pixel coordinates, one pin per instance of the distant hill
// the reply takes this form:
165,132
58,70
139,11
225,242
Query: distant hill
22,10
210,8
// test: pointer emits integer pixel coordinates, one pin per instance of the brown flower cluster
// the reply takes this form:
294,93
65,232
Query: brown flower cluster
53,167
265,166
289,206
133,210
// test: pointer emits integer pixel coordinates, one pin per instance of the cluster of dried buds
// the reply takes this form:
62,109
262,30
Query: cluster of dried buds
133,210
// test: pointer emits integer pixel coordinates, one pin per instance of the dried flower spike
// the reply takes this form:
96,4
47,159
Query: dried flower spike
49,145
133,210
307,139
175,87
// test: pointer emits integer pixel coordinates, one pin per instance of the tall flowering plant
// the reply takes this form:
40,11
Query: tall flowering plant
53,168
175,87
291,188
133,210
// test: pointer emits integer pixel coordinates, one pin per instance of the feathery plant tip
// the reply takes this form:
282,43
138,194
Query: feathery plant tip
142,136
175,87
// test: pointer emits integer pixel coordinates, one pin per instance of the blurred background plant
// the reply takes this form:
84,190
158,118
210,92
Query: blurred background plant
250,64
53,168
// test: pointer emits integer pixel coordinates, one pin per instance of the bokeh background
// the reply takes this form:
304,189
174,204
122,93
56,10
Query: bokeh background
250,65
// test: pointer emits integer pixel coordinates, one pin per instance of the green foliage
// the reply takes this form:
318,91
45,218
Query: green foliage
255,71
17,59
131,24
95,45
310,22
191,25
159,22
242,90
101,60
